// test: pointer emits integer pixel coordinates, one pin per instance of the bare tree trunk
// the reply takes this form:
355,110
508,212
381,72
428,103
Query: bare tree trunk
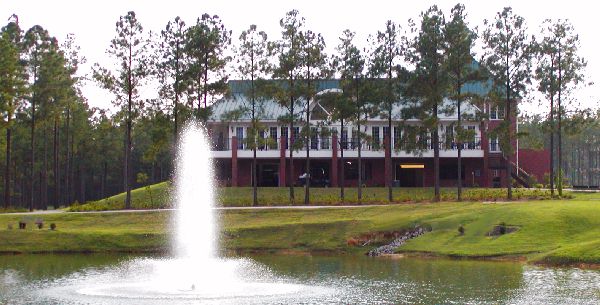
460,144
56,166
507,118
8,165
436,157
560,174
360,169
68,159
32,155
44,181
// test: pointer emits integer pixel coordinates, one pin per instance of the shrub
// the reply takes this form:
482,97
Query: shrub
52,226
502,228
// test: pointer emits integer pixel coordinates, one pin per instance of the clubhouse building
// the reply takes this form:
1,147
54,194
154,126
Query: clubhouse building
483,163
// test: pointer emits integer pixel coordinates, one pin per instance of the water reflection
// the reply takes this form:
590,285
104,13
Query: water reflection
351,279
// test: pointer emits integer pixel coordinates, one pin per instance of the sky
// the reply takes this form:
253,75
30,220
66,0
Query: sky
93,24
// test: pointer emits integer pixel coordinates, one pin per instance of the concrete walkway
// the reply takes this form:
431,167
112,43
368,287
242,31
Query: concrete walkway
295,207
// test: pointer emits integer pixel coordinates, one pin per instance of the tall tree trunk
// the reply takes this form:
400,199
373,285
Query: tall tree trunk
308,135
291,142
56,170
254,132
560,174
44,182
8,165
32,155
128,135
552,145
343,173
68,158
436,156
390,176
360,169
460,144
390,109
507,119
72,169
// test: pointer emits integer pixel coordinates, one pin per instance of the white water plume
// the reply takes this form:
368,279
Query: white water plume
196,226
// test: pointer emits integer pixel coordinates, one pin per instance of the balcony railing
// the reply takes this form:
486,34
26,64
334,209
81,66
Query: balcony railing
350,144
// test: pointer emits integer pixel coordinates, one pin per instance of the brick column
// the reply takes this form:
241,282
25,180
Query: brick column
334,161
282,171
234,161
485,145
388,161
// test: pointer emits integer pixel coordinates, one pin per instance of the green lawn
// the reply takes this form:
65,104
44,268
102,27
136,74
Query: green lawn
560,231
158,196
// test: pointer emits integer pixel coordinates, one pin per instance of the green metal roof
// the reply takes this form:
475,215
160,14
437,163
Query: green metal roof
270,110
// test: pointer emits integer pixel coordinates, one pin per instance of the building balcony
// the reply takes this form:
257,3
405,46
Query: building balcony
322,147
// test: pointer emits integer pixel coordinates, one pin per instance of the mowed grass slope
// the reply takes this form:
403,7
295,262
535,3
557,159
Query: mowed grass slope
158,196
549,231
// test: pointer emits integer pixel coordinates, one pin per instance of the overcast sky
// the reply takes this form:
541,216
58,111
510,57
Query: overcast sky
93,23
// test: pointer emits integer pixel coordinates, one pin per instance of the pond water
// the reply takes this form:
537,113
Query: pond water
279,279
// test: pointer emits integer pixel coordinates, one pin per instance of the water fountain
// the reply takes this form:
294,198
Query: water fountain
195,272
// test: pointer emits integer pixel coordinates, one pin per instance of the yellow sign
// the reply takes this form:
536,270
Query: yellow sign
412,165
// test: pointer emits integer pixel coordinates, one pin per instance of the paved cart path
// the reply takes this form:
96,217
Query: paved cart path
297,207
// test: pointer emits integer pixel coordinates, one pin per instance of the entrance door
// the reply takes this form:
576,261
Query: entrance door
319,171
268,174
410,175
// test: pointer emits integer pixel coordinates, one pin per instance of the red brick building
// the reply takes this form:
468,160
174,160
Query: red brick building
483,164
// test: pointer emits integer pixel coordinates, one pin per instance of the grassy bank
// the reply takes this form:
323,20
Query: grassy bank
157,196
557,232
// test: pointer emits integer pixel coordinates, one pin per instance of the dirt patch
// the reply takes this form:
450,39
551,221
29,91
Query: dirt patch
501,229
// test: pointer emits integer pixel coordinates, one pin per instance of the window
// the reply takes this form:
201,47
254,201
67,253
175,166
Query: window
296,138
354,139
284,134
494,145
273,134
262,136
239,133
397,135
471,144
449,135
344,139
423,138
497,113
375,136
386,133
314,138
326,140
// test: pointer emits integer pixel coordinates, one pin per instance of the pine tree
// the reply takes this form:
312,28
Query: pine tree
253,64
12,90
350,64
385,56
459,41
205,46
170,66
430,82
314,66
508,59
129,49
288,70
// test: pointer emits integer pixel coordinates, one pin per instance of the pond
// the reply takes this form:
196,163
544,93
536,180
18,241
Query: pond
298,279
